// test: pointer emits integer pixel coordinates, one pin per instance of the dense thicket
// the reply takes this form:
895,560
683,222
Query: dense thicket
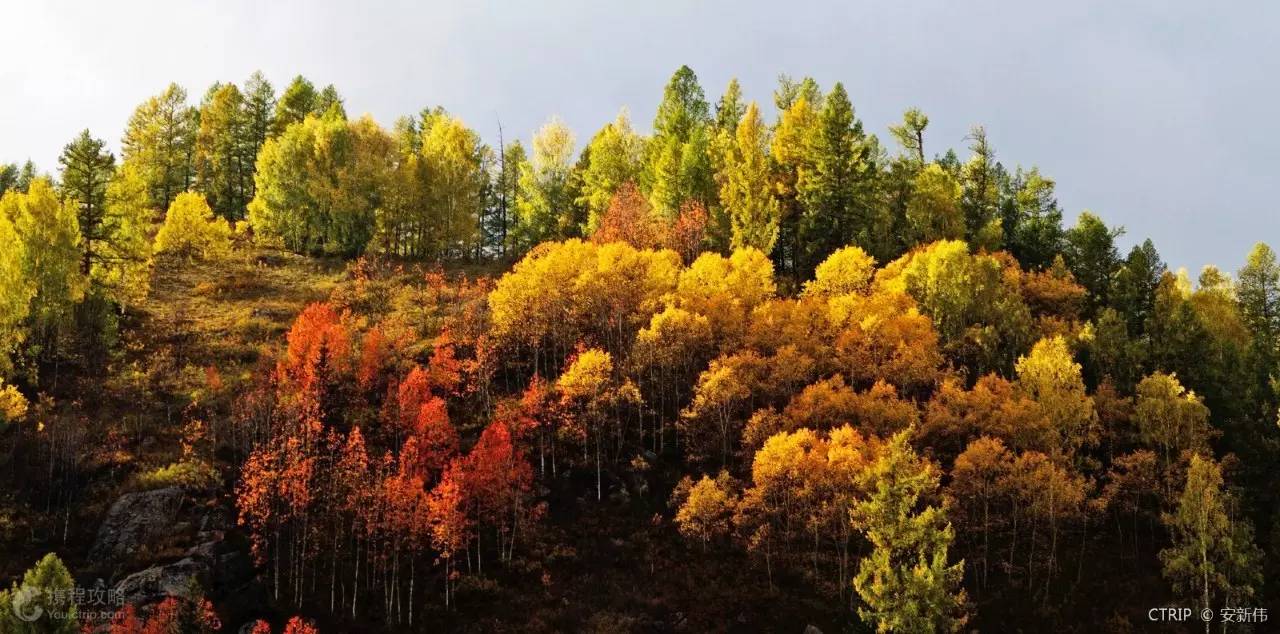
895,379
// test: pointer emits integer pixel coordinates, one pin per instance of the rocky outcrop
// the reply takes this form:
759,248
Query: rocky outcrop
135,520
159,582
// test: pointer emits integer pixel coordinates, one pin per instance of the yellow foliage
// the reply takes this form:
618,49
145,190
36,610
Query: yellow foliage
191,229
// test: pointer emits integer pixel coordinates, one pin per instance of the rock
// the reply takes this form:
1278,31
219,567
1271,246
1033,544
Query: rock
160,582
215,520
812,629
135,520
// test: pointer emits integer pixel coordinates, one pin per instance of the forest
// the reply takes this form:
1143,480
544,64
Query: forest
275,368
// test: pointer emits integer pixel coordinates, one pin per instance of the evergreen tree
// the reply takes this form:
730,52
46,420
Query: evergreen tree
43,603
259,102
678,165
298,100
1032,221
87,168
980,193
1133,288
906,581
1091,254
835,190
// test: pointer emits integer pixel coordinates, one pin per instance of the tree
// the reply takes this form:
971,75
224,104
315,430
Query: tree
1092,256
191,229
42,603
319,185
50,252
1259,293
834,190
159,140
1133,288
87,168
747,194
615,158
707,509
124,273
1171,418
933,211
544,195
259,117
15,289
980,192
223,168
298,100
906,581
1213,557
845,271
629,219
910,133
450,527
678,166
1052,378
1032,220
451,155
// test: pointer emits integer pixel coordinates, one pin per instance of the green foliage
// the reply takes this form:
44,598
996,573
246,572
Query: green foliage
544,194
1091,253
298,100
906,582
1213,559
159,141
42,603
318,185
615,156
87,168
223,166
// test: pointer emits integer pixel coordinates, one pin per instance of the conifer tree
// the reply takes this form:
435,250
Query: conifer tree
906,582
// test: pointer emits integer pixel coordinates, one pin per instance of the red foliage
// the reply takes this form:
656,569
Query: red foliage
297,625
689,231
413,393
375,356
436,438
629,219
444,367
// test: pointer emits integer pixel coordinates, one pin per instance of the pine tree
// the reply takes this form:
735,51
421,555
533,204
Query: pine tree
298,100
42,603
906,582
87,168
835,190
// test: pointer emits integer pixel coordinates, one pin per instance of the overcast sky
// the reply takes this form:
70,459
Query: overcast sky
1158,118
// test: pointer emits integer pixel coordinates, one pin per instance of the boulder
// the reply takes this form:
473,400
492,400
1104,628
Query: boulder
135,520
160,582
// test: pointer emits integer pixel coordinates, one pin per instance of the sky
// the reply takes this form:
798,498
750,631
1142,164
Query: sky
1157,116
